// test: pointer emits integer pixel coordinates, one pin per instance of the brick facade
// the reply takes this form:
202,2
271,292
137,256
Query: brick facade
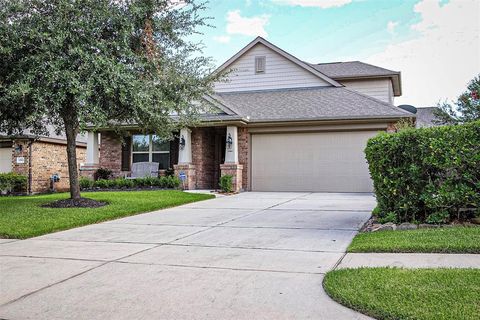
47,158
203,157
244,154
235,170
110,155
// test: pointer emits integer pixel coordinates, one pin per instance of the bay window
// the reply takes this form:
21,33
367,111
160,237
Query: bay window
151,148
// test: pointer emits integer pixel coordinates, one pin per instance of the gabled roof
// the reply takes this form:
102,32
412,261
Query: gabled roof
324,103
358,70
284,54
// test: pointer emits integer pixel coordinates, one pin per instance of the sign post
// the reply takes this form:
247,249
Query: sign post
183,178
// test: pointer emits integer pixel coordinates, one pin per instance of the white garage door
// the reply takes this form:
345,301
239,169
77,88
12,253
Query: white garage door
5,159
325,162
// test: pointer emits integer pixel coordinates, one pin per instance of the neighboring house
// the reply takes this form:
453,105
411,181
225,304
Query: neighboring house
425,117
281,125
38,158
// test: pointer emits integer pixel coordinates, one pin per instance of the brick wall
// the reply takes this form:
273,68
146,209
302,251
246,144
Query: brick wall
243,154
21,168
203,157
110,155
48,159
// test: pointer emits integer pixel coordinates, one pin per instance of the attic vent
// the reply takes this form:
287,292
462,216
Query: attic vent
260,64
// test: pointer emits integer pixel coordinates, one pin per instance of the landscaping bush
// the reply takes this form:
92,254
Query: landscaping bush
86,183
103,174
13,182
170,182
426,175
226,183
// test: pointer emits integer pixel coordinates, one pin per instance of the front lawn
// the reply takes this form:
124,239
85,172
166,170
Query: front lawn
440,240
23,217
422,294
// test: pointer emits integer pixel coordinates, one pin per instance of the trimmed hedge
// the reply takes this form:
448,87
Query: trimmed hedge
13,183
170,182
426,175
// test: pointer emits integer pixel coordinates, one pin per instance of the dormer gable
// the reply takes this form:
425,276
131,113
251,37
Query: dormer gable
263,66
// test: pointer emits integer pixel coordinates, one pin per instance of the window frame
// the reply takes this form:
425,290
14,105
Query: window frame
150,151
264,61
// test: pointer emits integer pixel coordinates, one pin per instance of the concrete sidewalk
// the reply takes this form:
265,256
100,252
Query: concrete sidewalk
248,256
410,260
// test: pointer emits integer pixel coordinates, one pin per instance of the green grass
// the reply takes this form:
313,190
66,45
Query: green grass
423,294
22,217
441,240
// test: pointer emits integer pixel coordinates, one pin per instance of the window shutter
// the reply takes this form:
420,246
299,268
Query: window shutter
126,153
260,64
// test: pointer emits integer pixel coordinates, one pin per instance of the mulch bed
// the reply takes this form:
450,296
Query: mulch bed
75,203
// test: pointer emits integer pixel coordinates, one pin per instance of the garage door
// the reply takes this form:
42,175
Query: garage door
325,162
5,159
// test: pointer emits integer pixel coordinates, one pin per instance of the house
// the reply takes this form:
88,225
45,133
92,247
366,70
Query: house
425,117
38,158
281,124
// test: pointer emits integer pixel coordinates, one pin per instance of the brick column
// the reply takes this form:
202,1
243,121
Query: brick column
185,168
235,170
231,165
89,168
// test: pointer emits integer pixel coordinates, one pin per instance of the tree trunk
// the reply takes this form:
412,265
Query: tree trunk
71,133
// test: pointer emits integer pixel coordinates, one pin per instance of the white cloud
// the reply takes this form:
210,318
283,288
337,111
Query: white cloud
222,39
391,25
324,4
439,62
249,26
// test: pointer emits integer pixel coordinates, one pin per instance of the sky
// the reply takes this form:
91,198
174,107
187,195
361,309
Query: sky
434,43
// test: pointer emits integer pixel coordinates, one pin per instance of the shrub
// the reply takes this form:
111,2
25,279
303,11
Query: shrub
426,175
101,183
103,174
169,172
86,183
226,183
13,182
172,182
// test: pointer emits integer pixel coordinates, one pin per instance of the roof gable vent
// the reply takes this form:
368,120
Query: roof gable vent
260,64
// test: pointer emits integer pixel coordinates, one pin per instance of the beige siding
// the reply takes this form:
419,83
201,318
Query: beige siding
279,73
377,88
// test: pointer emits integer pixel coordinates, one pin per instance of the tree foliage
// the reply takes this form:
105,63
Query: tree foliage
465,109
69,63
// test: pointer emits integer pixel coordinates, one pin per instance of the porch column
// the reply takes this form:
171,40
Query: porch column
88,169
231,165
185,170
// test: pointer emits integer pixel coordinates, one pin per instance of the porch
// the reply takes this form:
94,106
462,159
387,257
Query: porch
199,156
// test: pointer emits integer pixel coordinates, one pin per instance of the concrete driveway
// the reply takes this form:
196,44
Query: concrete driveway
249,256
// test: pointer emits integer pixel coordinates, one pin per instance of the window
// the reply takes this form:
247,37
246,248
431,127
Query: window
260,64
150,148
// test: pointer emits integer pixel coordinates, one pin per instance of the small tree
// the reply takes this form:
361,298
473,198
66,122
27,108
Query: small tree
465,109
69,63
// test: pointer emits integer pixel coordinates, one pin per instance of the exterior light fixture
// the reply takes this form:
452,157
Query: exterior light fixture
229,141
182,142
18,148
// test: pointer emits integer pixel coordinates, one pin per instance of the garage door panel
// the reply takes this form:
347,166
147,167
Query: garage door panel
5,160
329,162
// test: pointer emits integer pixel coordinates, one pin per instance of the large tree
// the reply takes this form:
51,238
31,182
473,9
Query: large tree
69,63
465,109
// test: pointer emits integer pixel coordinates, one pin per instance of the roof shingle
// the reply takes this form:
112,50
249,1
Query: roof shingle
308,104
351,69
